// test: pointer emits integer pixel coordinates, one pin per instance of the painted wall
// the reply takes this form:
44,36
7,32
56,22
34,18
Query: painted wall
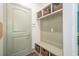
1,20
69,29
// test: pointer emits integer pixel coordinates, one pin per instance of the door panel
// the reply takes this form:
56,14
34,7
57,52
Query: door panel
19,29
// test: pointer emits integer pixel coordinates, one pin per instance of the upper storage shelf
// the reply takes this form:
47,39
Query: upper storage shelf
51,9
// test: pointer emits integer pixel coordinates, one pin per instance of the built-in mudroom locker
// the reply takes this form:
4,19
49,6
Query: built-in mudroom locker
17,20
51,30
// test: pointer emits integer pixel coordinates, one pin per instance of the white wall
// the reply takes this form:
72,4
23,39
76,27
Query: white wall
69,29
1,20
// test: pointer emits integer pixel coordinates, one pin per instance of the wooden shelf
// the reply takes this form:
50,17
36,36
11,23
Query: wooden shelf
51,48
53,13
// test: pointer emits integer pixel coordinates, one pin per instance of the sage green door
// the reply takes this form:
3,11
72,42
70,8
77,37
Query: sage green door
18,30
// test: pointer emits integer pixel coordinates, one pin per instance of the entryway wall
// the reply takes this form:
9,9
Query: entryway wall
69,24
70,29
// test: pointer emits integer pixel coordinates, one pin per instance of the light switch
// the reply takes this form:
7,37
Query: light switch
51,29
